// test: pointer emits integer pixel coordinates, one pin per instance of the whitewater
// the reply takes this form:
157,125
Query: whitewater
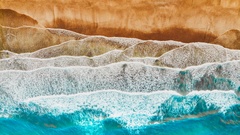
131,90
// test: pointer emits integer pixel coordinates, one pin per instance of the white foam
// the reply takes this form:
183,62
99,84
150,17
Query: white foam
197,54
125,76
135,109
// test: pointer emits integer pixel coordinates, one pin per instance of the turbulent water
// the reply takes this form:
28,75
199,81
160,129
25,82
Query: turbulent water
116,112
184,79
117,93
122,98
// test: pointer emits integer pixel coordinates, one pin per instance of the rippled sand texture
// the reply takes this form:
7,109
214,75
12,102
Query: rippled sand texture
87,67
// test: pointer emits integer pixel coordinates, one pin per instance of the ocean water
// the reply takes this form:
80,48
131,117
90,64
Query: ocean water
195,126
112,112
121,99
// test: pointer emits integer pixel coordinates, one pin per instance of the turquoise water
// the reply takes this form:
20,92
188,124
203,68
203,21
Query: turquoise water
212,124
114,114
121,100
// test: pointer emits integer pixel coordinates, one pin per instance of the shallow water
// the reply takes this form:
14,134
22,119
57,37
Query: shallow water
211,124
112,112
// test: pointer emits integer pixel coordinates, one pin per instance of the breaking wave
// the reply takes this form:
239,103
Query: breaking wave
116,112
110,86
